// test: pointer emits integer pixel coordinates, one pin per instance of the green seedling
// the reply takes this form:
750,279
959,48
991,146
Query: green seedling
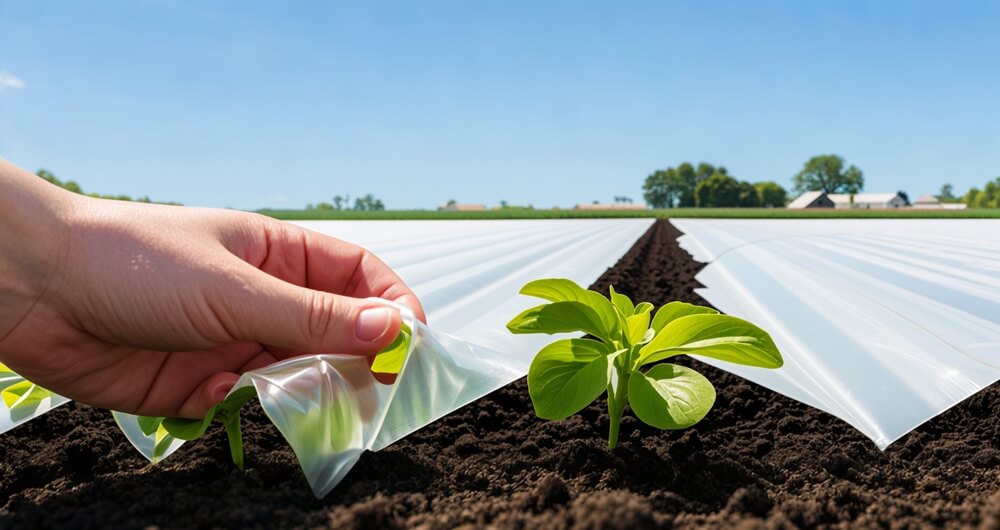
623,357
20,396
385,366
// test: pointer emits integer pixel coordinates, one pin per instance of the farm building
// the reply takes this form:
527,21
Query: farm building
867,201
811,199
616,206
930,202
455,207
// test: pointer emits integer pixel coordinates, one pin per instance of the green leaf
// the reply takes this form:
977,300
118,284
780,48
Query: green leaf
643,307
563,290
8,378
149,424
4,371
637,326
722,337
568,375
390,360
670,396
188,429
562,317
161,442
24,394
675,310
622,302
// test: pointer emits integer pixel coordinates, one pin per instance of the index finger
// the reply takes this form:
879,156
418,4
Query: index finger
325,263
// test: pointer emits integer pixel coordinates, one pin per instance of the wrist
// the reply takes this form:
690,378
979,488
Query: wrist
35,220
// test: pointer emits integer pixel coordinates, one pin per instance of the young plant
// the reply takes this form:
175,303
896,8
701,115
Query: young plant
22,397
620,359
385,366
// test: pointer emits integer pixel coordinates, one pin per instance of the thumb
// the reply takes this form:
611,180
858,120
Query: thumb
277,313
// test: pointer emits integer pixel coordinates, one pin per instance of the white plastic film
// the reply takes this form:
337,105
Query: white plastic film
331,409
23,401
884,323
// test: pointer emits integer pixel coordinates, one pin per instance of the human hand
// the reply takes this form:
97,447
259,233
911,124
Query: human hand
156,310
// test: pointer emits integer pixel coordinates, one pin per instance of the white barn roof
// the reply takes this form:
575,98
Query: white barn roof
804,200
862,198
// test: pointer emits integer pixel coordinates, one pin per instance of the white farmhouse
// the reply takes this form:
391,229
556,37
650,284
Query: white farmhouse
868,201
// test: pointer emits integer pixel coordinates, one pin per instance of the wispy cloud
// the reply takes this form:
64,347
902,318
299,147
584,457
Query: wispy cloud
9,80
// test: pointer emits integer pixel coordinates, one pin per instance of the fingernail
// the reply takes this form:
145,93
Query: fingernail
221,391
373,323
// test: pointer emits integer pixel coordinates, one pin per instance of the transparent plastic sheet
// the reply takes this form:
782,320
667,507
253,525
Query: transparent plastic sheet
884,323
22,401
331,409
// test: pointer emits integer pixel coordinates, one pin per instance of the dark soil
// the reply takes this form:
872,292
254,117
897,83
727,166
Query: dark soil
758,460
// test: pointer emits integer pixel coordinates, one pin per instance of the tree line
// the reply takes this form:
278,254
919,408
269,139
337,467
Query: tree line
73,186
367,203
988,197
708,186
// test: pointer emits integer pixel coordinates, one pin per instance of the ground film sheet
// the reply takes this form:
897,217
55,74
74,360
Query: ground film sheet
884,323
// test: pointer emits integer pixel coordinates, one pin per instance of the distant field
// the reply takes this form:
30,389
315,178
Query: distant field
721,213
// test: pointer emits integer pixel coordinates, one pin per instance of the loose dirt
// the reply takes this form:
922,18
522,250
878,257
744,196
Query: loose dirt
758,460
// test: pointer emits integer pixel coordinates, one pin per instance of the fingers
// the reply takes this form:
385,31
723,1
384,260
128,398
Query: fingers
209,393
270,311
310,259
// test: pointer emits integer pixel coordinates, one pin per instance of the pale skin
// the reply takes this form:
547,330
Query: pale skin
156,310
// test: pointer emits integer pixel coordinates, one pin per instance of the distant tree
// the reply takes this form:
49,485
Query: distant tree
326,206
970,196
503,204
368,203
719,191
661,189
905,196
947,194
771,194
675,187
49,177
988,197
338,202
827,173
748,197
451,202
992,189
71,185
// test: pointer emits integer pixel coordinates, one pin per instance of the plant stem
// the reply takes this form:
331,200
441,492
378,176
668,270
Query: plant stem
613,429
235,436
616,405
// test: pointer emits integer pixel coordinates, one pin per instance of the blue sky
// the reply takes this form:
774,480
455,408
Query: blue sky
247,104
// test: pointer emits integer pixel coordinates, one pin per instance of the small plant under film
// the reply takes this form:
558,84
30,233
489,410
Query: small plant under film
384,366
629,340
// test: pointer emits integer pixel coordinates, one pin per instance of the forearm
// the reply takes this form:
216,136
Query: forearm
34,221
